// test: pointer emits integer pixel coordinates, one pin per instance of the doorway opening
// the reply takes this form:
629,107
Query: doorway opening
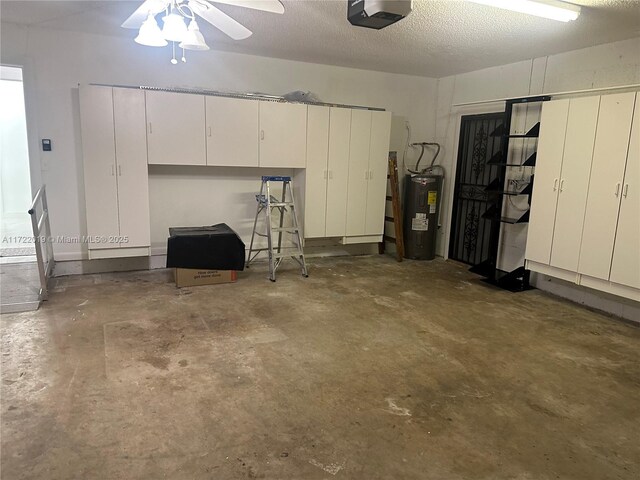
469,239
16,242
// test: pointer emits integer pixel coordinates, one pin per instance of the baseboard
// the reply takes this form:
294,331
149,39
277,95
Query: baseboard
594,299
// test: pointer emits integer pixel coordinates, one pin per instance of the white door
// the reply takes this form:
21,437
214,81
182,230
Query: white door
625,268
131,160
176,128
99,159
315,207
339,142
553,125
605,185
574,182
283,135
358,172
232,132
378,168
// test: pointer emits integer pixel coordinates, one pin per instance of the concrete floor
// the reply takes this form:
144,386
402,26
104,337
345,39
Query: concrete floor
369,369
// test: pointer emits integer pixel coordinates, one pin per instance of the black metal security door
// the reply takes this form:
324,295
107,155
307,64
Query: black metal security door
469,239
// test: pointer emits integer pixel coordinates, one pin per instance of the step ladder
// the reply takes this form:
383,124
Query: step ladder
285,207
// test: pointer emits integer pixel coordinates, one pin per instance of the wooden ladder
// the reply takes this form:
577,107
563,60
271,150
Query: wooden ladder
396,219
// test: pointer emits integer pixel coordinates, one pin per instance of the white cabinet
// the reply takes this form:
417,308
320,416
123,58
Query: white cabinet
316,175
283,133
574,182
328,136
114,147
176,128
378,168
232,132
358,172
368,154
338,171
606,184
625,268
585,212
553,126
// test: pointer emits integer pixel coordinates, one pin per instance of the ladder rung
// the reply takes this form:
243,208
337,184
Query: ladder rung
284,229
286,255
282,204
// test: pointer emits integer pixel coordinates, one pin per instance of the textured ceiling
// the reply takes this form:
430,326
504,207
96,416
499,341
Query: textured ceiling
438,38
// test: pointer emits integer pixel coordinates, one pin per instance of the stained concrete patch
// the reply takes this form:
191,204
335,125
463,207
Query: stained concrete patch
266,335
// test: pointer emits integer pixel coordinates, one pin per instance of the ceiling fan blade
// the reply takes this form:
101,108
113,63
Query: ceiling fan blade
273,6
220,20
140,15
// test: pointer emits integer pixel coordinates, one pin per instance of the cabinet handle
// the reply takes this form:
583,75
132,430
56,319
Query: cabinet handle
555,184
626,190
112,170
209,131
366,174
119,170
562,185
370,174
261,134
150,128
617,189
330,174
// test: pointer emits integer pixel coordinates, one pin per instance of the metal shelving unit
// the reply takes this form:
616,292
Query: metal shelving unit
516,280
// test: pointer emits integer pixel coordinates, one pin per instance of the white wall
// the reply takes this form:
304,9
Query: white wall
55,62
606,65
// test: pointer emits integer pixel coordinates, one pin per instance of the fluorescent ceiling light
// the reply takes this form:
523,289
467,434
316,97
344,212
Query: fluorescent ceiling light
553,9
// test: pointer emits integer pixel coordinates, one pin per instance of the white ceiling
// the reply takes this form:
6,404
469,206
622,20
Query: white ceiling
438,38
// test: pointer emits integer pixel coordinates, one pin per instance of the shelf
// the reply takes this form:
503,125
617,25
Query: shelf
514,281
497,160
495,189
532,133
492,215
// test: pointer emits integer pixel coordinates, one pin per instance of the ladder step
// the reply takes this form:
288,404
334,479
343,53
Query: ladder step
287,255
281,204
284,229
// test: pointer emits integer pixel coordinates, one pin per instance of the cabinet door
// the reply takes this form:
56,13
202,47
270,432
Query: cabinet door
315,207
131,159
574,182
378,168
232,132
176,128
283,135
553,125
605,185
625,268
339,142
358,172
99,159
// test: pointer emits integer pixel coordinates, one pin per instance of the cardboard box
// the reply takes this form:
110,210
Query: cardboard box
192,277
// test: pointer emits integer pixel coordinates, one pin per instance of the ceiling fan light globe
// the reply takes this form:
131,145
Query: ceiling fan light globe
193,40
150,34
174,28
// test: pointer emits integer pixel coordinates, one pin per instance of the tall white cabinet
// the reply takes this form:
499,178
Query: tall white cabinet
327,172
115,171
585,213
368,155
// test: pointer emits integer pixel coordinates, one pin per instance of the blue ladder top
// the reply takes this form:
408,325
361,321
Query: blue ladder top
267,178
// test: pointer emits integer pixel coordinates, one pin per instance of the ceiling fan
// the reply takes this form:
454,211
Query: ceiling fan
189,38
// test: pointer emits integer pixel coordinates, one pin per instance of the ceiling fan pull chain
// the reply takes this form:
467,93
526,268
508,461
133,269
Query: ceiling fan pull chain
173,58
184,56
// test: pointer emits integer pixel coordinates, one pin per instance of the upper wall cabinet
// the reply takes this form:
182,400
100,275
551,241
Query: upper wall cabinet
175,128
232,132
283,135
